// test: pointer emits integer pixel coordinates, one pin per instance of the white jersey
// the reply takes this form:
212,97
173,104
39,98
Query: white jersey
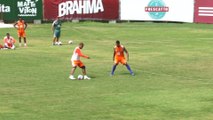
75,55
9,40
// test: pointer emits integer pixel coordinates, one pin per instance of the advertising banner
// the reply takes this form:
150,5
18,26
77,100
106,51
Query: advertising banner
27,9
158,10
81,9
203,11
5,7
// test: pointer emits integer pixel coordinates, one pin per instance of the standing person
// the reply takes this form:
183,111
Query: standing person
56,28
21,26
119,57
75,61
9,41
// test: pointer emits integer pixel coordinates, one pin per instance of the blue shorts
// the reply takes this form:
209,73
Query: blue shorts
57,34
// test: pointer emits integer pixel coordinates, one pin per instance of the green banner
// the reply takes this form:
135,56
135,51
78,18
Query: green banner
5,7
26,9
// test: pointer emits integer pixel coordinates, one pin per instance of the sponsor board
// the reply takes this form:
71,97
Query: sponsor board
82,9
4,8
26,9
157,10
203,11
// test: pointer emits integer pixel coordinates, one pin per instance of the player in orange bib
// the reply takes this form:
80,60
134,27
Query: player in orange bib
9,42
119,57
75,61
21,26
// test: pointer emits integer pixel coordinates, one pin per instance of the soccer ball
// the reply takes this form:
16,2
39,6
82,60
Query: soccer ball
70,42
80,77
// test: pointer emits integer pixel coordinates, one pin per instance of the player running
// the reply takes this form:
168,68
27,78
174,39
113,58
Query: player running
21,26
56,28
9,42
118,57
75,61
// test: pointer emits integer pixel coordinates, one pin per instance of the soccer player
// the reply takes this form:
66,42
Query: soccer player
75,61
21,26
56,28
9,41
119,57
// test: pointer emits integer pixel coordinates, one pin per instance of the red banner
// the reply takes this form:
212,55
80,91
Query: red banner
203,11
81,9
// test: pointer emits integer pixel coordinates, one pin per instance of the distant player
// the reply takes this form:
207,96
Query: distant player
56,28
119,57
9,41
21,26
76,62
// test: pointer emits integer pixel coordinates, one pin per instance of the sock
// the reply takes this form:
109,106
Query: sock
113,69
128,67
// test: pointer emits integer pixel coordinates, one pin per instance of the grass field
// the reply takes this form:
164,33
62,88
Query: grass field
173,64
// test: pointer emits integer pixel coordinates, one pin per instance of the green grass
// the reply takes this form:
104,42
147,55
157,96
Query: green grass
173,64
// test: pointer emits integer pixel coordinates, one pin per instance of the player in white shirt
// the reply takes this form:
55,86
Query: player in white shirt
75,61
9,41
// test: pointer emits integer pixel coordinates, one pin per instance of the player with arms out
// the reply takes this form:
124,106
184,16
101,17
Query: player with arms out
118,57
56,29
9,42
21,26
75,61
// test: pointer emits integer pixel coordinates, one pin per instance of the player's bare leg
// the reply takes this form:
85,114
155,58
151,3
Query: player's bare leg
25,42
54,39
85,73
57,41
72,73
19,41
72,70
